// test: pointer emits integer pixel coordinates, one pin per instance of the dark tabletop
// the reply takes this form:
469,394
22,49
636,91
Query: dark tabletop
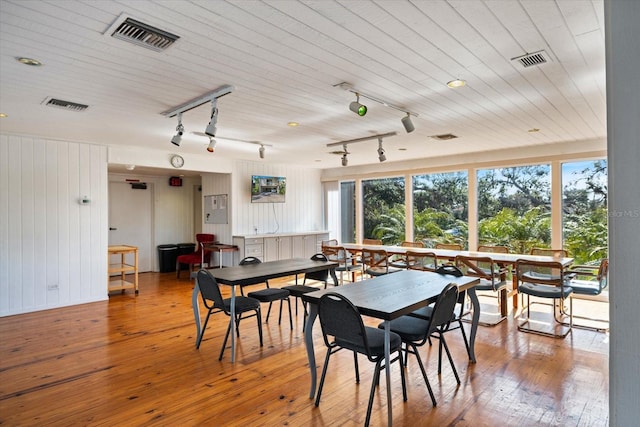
393,295
256,273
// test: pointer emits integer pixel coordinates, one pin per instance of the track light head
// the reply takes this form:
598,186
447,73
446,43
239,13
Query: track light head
211,127
381,156
407,123
212,145
261,151
177,138
358,108
345,161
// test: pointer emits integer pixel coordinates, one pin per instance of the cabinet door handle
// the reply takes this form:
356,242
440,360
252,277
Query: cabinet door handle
112,228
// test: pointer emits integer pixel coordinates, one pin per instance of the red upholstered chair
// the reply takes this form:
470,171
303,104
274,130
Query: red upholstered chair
196,257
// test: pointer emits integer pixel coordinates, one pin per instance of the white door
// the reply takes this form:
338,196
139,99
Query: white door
130,220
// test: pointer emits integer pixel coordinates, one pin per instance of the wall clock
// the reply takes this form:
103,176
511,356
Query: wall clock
177,161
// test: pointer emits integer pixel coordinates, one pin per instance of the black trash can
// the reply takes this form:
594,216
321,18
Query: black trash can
167,255
186,249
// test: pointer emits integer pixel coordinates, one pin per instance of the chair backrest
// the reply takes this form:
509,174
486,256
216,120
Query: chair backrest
371,242
330,242
340,319
450,246
375,258
549,273
204,238
407,244
424,261
482,267
493,249
321,275
603,273
558,253
443,310
209,290
249,261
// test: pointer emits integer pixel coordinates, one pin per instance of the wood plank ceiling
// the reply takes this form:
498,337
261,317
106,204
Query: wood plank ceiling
284,58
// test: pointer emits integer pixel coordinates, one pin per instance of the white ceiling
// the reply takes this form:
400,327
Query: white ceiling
284,57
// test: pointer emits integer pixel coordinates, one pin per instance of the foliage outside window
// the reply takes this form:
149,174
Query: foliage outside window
584,210
440,208
514,207
383,210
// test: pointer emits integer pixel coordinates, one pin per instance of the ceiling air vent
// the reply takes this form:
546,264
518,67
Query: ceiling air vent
444,136
141,34
67,105
530,59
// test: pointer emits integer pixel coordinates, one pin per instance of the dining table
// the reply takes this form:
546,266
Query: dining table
503,259
389,297
242,275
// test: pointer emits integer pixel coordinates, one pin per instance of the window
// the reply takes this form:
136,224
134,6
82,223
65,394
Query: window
440,208
383,210
584,210
514,207
348,212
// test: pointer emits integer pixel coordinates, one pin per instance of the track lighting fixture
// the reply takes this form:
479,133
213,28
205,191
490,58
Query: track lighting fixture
211,97
177,138
261,151
212,145
358,108
354,106
407,123
211,127
345,161
381,155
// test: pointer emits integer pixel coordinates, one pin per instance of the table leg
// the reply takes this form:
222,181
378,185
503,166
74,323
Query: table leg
233,324
474,323
220,260
196,309
332,272
387,368
308,340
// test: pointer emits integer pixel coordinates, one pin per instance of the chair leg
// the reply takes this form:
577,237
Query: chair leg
374,382
204,326
259,319
324,373
355,366
224,343
424,374
446,347
268,312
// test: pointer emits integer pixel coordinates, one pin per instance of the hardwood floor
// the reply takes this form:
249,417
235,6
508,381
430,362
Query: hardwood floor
132,360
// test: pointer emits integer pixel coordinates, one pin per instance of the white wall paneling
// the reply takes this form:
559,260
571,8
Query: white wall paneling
301,211
52,248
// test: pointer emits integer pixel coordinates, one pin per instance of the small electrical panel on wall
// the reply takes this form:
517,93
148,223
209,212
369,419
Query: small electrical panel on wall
175,181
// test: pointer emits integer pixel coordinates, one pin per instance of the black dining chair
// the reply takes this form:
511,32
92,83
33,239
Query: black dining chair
343,328
268,294
214,303
415,331
297,291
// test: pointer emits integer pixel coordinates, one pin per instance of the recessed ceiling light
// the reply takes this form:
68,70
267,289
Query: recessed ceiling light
29,61
456,83
3,115
533,130
293,124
